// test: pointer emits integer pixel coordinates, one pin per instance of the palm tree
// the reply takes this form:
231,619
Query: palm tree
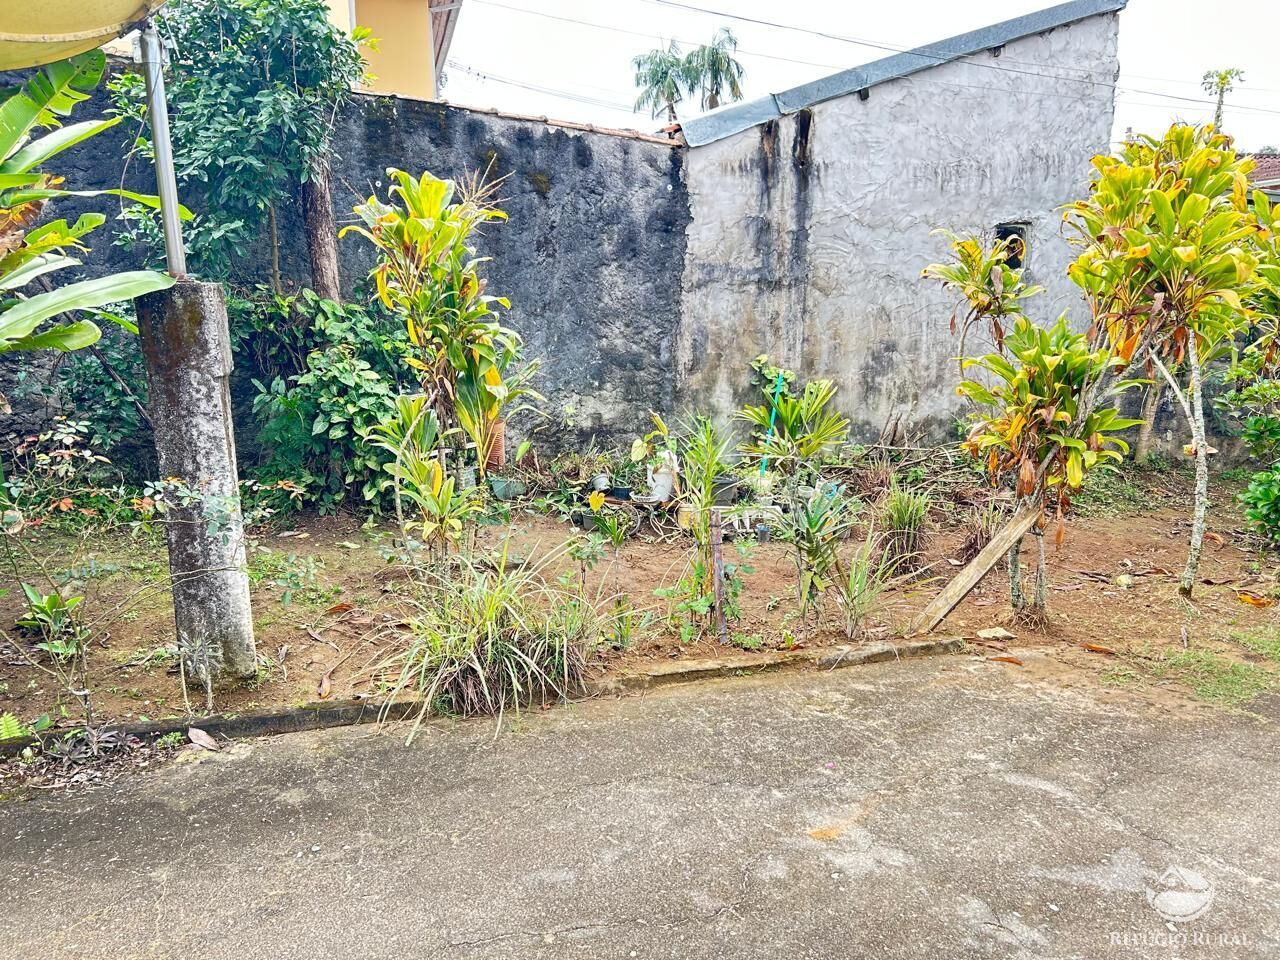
660,75
1220,83
712,70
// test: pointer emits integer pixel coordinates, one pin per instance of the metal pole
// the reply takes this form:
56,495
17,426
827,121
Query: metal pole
166,183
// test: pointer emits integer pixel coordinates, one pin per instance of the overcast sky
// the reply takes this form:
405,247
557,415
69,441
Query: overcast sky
508,57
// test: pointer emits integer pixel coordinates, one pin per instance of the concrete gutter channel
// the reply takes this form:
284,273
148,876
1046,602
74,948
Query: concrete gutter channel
344,713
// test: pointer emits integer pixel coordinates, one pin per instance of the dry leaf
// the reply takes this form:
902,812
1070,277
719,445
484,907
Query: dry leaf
202,739
1214,537
319,639
325,688
1007,659
1098,648
342,607
1254,600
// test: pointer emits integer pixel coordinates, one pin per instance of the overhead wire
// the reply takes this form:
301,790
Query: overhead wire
940,58
999,67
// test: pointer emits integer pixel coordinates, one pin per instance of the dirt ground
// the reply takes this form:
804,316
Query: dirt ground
326,601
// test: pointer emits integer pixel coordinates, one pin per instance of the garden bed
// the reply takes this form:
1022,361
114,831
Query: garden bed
327,603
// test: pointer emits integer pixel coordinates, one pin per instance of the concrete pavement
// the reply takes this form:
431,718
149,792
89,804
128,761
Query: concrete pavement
935,809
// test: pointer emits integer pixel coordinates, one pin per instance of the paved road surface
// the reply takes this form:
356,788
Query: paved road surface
933,809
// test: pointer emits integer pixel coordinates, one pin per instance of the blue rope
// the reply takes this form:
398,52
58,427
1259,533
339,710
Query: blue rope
773,415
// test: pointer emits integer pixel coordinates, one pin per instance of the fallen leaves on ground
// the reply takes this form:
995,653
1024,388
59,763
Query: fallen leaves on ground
202,739
1254,599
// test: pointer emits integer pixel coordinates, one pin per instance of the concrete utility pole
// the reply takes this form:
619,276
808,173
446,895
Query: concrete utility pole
186,348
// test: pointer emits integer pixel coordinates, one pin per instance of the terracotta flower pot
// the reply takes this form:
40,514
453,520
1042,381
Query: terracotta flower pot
497,458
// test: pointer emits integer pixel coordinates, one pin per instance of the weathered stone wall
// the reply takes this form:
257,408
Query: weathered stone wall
648,276
591,255
809,232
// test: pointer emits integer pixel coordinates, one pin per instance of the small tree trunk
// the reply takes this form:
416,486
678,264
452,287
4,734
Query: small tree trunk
1041,603
1017,599
322,231
273,236
1150,410
1202,469
187,351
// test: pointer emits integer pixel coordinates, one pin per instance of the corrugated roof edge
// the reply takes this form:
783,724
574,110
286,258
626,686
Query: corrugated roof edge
742,116
528,117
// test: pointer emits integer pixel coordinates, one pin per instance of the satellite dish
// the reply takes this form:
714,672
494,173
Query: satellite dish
36,32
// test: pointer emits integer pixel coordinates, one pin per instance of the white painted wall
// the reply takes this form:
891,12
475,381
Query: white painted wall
814,256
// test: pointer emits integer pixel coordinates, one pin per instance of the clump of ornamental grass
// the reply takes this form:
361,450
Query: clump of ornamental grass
905,514
979,527
482,638
866,574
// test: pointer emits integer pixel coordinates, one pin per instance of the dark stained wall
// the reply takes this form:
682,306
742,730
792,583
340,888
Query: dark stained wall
591,257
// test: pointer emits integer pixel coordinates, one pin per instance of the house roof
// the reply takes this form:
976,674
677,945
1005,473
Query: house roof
1266,169
729,120
444,19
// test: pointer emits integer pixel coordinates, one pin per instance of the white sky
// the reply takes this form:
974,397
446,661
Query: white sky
583,72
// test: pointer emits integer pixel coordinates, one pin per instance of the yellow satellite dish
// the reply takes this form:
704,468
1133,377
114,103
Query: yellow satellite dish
35,32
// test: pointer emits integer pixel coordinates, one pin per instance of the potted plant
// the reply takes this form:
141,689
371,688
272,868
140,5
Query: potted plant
512,485
625,474
657,451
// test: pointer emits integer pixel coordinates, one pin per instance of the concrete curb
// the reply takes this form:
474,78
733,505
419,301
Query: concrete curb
828,658
345,713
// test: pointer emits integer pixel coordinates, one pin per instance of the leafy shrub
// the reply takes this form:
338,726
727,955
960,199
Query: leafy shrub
108,390
314,425
273,335
327,374
1261,500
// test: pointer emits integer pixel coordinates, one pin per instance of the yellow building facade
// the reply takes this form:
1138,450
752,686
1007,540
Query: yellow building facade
413,38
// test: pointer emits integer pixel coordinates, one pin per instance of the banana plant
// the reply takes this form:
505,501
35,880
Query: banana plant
27,251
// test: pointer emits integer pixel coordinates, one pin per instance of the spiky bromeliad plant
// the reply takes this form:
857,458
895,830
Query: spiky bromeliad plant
28,251
790,430
1036,428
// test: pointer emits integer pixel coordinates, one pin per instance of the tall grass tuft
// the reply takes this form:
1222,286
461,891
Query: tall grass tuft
867,573
905,514
482,640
